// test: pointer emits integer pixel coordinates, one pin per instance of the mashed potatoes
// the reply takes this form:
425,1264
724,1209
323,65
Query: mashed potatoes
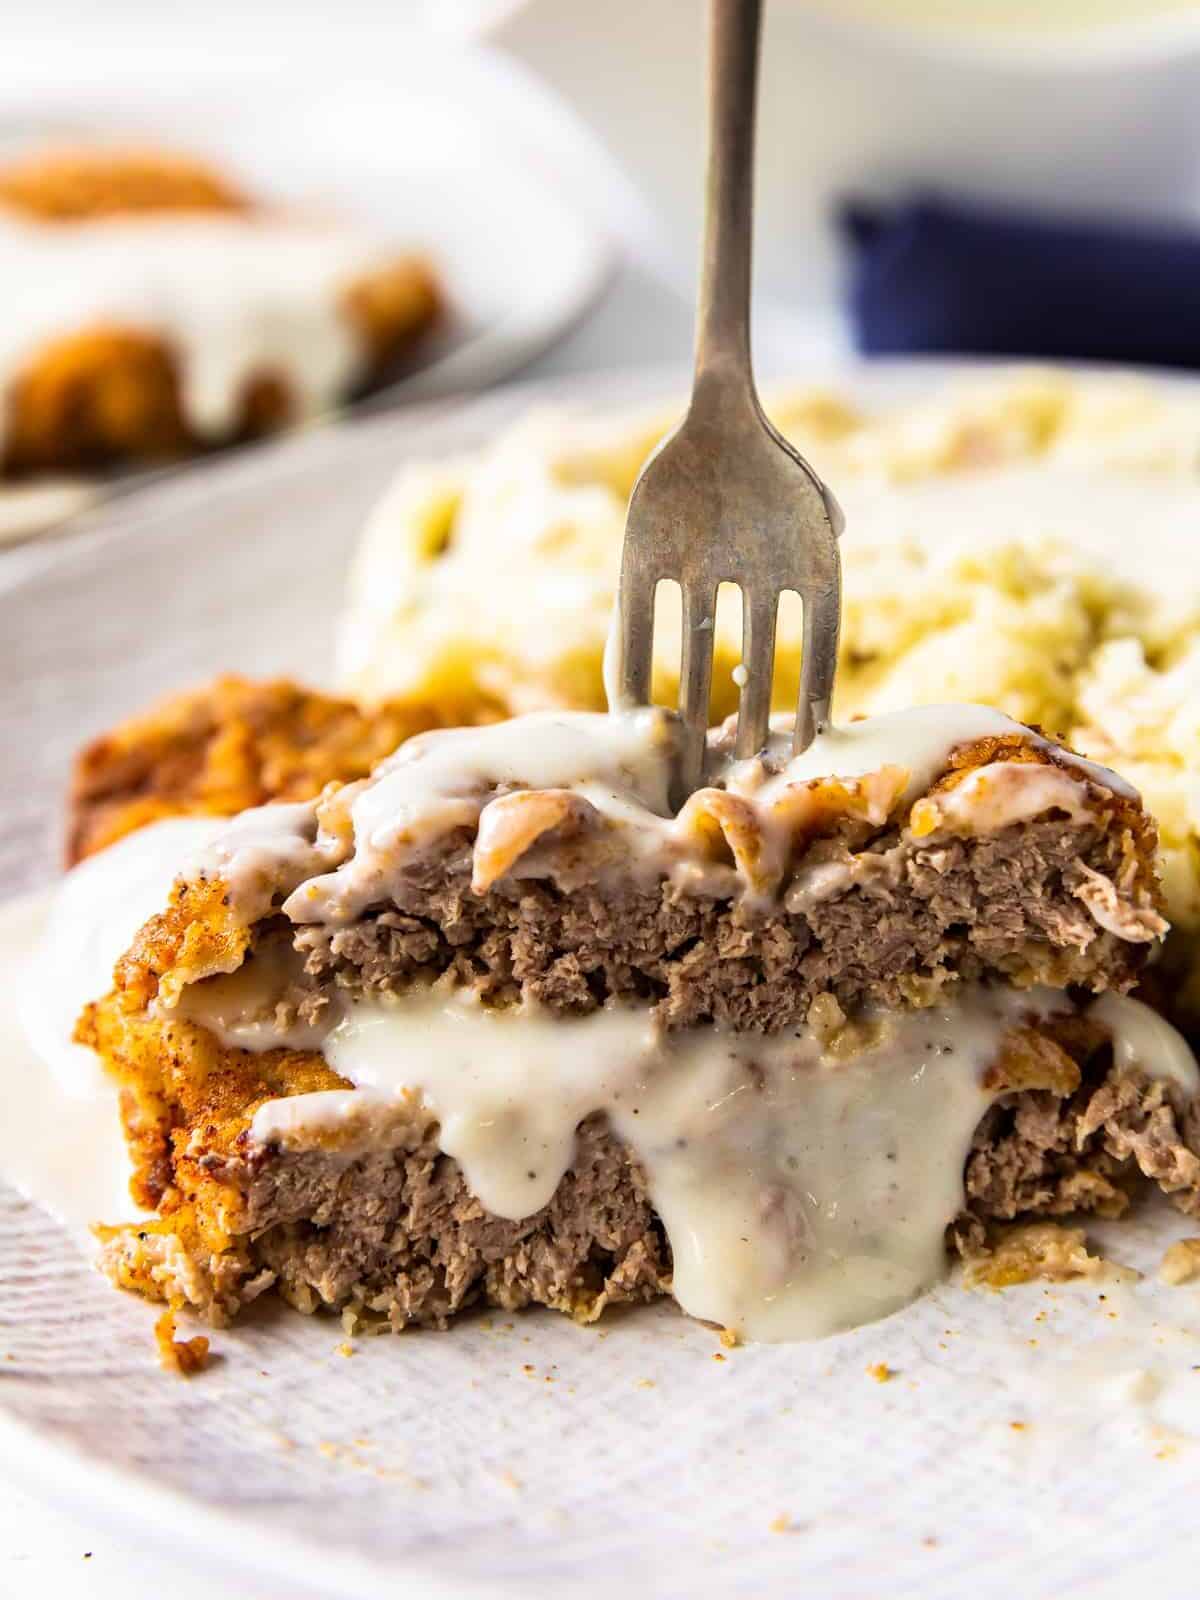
1032,540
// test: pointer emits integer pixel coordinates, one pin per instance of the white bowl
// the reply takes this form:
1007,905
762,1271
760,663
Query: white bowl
1100,119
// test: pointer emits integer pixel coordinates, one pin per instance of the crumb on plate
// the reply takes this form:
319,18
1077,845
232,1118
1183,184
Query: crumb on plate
1180,1262
1032,1251
184,1356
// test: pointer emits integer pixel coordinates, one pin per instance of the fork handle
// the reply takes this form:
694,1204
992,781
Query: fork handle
723,370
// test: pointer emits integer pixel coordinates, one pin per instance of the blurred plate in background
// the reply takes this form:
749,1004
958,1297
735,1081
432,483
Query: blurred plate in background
422,165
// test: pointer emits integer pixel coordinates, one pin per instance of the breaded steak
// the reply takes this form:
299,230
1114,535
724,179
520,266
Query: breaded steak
801,926
93,386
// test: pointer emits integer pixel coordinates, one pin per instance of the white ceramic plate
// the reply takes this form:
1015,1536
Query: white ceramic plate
517,1456
425,165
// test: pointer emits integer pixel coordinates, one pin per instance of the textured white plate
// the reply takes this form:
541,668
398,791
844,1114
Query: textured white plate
524,1454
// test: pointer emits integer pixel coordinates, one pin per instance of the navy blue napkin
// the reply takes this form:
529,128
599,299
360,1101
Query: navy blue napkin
936,275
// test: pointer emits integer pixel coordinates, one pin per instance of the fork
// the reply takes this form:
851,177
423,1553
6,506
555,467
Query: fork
724,498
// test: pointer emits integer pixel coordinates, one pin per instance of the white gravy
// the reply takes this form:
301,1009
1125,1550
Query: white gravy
61,1147
233,296
801,1192
60,1137
1140,1035
335,860
1003,793
90,921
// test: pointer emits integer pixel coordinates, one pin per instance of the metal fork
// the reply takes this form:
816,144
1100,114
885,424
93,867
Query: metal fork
724,498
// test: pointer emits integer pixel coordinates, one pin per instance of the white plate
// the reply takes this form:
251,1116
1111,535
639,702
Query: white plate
426,165
450,1464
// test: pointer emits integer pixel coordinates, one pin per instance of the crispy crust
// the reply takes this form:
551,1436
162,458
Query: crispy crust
186,1098
80,184
107,394
185,1357
215,750
392,307
1137,825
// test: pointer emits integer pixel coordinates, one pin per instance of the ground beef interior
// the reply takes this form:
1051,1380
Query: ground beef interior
910,917
394,1237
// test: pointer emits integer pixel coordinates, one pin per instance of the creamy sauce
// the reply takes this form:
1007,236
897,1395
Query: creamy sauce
239,1007
90,922
333,860
917,742
60,1138
61,1143
234,297
920,741
1003,793
263,850
802,1191
1141,1036
620,766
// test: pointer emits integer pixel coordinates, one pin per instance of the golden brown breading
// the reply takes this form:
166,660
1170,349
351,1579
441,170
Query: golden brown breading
73,185
185,1095
104,395
112,394
1031,1252
392,306
216,750
1140,830
182,1356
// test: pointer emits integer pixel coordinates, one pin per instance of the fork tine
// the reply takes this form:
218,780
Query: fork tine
636,608
695,678
822,623
758,658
